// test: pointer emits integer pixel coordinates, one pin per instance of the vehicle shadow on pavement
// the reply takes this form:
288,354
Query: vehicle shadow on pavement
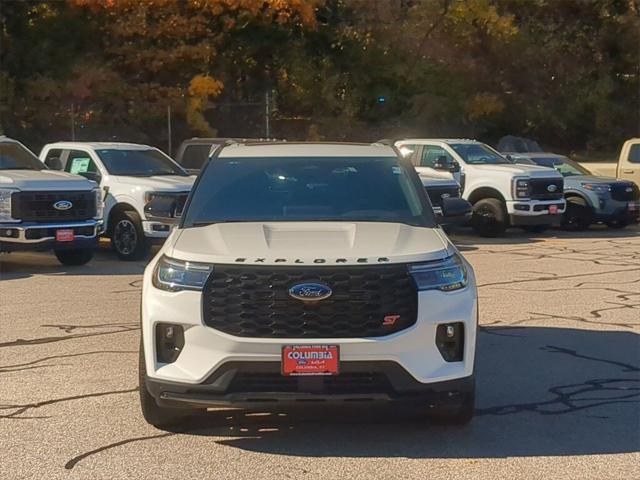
541,392
20,265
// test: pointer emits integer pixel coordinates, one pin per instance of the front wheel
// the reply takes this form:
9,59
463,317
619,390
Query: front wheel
127,237
489,217
74,257
578,215
159,417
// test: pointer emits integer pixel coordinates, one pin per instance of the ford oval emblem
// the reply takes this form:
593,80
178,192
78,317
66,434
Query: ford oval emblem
552,188
62,205
310,292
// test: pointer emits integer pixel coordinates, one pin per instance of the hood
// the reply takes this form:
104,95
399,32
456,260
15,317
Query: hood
44,180
165,183
525,170
309,243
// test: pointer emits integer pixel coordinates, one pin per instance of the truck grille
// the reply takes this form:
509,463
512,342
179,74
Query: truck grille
436,194
539,188
254,301
625,192
38,206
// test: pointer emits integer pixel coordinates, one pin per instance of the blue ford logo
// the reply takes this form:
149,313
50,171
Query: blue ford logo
310,292
62,205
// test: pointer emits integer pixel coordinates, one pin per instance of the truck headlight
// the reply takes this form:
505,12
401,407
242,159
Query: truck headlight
521,188
176,275
446,275
597,187
99,203
5,205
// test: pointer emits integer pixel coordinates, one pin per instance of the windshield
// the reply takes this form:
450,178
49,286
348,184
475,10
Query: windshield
138,163
563,165
14,156
478,154
377,189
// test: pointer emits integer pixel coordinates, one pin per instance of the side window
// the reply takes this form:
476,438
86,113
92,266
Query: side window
195,155
53,159
431,153
410,152
634,153
81,163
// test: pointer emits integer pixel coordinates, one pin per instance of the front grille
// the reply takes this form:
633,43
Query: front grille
539,188
625,192
38,206
344,383
254,301
436,194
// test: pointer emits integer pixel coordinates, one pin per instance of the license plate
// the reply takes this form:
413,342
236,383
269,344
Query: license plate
65,235
301,360
553,209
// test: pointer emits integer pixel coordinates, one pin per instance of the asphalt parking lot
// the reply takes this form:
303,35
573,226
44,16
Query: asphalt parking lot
558,372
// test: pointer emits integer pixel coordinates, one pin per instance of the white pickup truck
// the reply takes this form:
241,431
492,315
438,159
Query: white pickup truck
41,209
502,194
130,175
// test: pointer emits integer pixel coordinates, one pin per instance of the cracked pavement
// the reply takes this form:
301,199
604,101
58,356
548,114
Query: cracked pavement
558,371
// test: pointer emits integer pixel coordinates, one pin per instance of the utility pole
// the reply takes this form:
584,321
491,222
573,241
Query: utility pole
169,146
73,122
267,114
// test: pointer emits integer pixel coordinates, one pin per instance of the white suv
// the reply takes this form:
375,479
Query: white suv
307,273
130,175
502,194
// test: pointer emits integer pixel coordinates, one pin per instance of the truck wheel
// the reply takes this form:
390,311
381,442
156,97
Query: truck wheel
618,224
160,417
127,237
454,415
489,217
74,257
578,215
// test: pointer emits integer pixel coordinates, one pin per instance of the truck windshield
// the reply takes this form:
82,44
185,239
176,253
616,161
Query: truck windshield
564,166
479,154
138,163
377,189
14,156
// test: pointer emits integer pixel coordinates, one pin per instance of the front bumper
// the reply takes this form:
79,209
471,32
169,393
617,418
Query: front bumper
535,212
628,212
42,236
156,232
249,384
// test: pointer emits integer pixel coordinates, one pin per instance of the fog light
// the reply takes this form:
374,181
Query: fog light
9,233
450,341
169,342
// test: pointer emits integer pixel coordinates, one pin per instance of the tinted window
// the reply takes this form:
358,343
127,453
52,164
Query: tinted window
138,163
478,154
194,156
52,154
634,153
14,156
431,154
410,152
308,189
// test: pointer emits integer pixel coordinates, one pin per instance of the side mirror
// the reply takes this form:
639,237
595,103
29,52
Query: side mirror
53,163
455,211
445,163
509,157
95,176
162,209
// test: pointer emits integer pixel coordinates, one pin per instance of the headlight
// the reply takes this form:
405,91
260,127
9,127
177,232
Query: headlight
521,188
446,275
99,203
597,187
176,275
5,205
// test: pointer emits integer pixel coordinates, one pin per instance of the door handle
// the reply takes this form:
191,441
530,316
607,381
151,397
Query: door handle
627,170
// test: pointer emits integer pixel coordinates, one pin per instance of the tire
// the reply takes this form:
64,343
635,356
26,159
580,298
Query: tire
618,224
74,257
159,417
127,236
535,228
489,218
578,216
455,415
